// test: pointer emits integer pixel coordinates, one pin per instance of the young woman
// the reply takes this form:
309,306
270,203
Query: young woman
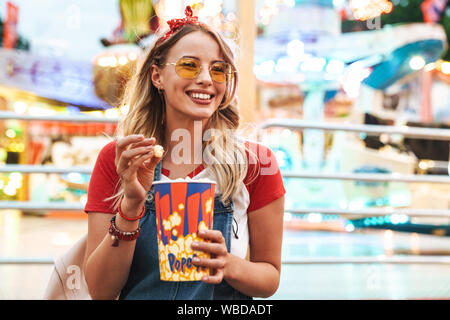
186,83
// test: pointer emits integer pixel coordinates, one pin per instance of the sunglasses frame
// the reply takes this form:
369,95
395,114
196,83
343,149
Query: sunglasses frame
200,70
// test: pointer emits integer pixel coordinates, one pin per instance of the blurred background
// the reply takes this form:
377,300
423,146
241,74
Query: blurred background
352,96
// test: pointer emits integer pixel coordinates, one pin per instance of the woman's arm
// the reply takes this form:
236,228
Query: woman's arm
106,267
260,276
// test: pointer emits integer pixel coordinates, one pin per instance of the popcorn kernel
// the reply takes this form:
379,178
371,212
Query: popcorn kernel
158,151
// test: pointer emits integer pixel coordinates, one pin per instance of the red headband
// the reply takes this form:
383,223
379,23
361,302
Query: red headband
176,24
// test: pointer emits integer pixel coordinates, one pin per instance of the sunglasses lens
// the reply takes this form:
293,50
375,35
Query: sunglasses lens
187,68
219,71
190,68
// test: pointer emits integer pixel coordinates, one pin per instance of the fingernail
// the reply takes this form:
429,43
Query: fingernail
194,244
205,278
195,259
201,233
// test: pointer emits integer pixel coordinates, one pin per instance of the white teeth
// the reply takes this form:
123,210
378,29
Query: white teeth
202,96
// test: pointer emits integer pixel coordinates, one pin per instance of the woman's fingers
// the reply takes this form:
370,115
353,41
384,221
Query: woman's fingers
134,152
215,246
137,162
144,143
150,164
214,279
213,235
125,160
208,263
216,267
218,249
130,142
123,143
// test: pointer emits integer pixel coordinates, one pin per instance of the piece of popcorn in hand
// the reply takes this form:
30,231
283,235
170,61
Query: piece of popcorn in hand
158,151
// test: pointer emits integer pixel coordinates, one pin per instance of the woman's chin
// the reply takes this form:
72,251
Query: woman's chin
201,113
194,112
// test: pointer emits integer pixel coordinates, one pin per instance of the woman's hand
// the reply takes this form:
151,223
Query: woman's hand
219,255
135,165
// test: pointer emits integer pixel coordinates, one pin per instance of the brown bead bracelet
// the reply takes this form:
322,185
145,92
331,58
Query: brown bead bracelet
117,235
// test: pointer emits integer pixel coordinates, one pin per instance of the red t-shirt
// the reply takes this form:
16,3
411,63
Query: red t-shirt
262,172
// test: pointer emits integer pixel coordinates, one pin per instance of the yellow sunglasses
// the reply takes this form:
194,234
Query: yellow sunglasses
189,68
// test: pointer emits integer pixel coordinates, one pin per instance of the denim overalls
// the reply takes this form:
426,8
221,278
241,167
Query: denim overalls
143,281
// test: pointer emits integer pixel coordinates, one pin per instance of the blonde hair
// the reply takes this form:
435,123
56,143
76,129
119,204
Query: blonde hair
224,152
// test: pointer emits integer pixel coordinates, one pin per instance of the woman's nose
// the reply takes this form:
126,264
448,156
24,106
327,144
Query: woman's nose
204,77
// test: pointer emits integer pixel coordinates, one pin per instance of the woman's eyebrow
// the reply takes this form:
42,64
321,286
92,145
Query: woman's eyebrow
196,58
191,57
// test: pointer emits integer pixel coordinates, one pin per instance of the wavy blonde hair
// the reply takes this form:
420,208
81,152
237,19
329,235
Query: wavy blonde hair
224,152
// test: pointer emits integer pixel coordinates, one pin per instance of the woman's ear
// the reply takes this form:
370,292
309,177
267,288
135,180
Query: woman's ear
156,76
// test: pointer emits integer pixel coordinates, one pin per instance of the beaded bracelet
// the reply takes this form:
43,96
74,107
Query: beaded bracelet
128,218
117,235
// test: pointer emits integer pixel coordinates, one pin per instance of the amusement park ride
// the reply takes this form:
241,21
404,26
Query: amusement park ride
303,46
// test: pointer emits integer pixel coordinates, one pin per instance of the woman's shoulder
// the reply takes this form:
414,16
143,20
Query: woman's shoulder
259,154
104,181
261,160
106,158
263,181
109,149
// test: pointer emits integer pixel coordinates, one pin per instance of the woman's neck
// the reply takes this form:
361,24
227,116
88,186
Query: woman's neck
184,141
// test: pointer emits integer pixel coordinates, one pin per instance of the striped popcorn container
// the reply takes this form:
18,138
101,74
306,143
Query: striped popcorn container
183,207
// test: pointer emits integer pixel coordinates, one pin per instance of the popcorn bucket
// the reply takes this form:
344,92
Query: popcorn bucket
182,209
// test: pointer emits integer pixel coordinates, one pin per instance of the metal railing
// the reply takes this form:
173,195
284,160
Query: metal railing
381,259
370,177
8,115
412,132
424,133
25,168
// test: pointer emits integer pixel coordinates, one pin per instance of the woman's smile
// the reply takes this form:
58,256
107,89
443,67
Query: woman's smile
201,97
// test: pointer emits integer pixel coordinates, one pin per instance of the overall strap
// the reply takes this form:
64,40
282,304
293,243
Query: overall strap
157,175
